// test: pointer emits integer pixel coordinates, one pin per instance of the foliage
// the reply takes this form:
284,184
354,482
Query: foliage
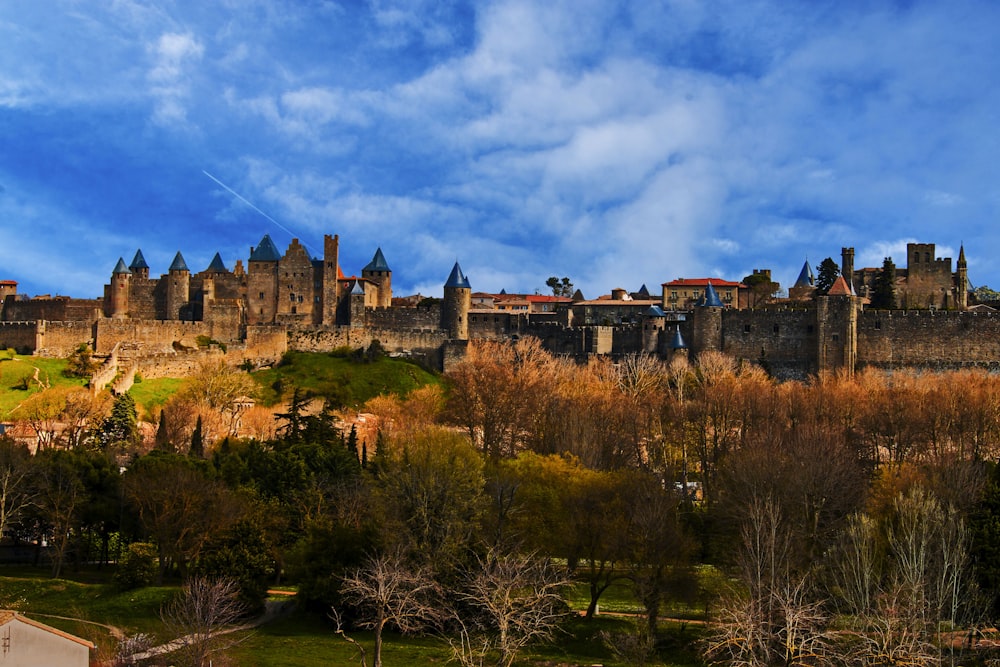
119,431
884,293
81,363
137,567
559,287
984,294
826,276
762,288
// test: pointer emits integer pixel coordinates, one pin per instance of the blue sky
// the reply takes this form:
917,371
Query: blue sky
618,144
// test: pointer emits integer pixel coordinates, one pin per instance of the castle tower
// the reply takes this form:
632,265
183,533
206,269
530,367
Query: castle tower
847,267
652,328
707,322
330,296
837,328
357,305
378,272
962,278
262,282
677,347
139,267
456,305
121,282
178,287
805,284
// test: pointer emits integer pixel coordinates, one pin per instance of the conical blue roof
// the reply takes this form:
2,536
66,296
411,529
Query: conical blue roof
138,262
643,292
712,299
217,265
457,278
677,343
805,278
357,289
265,251
655,311
179,264
378,263
120,267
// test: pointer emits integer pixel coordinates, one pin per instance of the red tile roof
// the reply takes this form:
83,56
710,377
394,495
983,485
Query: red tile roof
702,282
840,288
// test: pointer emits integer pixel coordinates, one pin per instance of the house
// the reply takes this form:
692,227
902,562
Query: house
684,293
28,643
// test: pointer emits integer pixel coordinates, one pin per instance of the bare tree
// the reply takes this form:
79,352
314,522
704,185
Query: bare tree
388,592
515,600
201,615
16,490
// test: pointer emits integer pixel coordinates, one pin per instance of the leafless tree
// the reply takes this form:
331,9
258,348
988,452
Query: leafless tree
387,591
16,489
199,617
515,599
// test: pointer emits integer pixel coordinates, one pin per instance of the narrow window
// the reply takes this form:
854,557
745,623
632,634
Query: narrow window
746,328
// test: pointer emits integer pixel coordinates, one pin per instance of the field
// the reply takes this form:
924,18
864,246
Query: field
17,379
87,605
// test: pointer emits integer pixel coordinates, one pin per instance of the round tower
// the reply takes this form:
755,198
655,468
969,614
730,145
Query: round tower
378,272
139,267
178,287
121,282
653,325
456,305
707,322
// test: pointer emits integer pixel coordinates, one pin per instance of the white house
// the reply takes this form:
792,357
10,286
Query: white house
28,643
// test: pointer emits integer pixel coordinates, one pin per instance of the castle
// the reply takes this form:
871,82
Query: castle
291,301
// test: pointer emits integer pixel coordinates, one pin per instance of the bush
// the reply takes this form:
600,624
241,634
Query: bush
137,567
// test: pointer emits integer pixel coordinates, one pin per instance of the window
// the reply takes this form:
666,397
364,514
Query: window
776,328
746,328
878,324
261,295
835,337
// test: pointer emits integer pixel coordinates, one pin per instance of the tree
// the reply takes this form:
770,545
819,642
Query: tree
119,432
197,443
884,293
509,601
559,287
179,505
387,591
16,490
198,615
59,495
81,363
762,288
826,276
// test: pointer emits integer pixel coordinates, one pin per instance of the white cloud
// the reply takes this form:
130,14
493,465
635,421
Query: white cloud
173,56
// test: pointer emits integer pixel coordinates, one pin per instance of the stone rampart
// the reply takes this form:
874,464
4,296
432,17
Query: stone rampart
892,339
781,339
21,336
61,339
155,336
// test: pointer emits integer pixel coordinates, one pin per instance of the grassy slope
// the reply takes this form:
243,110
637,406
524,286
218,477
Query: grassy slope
329,375
14,371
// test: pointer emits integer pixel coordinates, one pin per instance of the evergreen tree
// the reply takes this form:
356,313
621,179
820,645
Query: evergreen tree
161,440
827,275
197,441
884,294
119,431
352,440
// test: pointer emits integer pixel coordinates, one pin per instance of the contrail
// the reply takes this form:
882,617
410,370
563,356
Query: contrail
245,201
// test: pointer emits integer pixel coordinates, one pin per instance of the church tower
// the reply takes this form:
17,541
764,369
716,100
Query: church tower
962,278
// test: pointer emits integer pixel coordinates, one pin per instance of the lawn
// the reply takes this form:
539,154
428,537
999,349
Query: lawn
338,376
16,383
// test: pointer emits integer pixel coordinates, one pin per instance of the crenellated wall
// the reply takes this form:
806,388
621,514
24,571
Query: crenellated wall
21,336
928,339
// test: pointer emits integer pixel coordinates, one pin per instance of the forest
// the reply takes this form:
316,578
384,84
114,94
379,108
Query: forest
847,520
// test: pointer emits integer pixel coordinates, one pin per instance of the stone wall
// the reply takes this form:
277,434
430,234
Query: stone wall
155,336
928,339
21,336
58,309
60,339
782,339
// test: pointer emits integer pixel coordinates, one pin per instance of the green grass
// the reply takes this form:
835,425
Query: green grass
13,372
151,394
351,382
87,596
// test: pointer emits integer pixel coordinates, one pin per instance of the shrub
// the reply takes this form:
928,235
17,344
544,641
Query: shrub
137,567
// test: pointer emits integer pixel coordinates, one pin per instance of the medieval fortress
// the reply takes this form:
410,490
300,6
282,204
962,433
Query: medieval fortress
290,301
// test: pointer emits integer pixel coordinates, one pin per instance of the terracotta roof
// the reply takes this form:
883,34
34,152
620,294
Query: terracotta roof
701,282
839,288
548,298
